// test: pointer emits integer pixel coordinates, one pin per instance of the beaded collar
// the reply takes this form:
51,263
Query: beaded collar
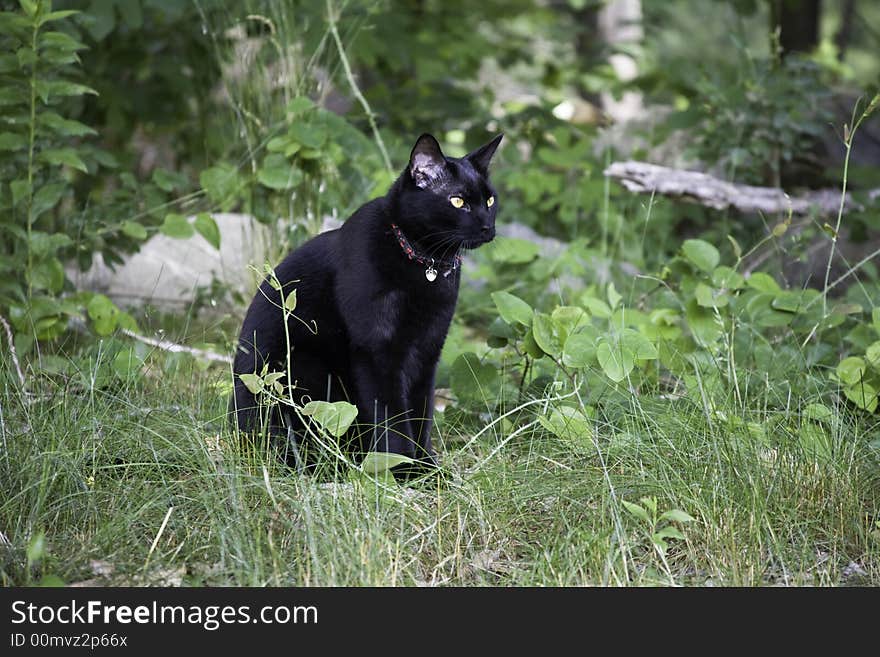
430,264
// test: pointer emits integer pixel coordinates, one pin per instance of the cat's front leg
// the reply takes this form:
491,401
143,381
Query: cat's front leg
421,404
379,395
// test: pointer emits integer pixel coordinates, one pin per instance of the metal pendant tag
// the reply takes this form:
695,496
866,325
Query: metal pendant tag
431,274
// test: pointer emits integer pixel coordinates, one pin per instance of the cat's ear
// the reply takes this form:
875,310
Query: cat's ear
427,164
481,157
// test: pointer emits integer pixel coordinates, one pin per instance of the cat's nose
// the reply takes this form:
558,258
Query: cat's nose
487,231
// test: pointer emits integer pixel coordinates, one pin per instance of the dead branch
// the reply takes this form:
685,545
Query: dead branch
712,192
165,345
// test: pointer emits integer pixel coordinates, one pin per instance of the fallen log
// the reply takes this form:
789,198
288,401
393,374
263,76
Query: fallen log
713,192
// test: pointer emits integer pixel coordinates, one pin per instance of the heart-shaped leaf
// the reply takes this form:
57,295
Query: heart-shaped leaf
702,254
334,417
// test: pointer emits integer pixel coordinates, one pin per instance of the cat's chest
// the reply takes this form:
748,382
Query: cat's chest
420,313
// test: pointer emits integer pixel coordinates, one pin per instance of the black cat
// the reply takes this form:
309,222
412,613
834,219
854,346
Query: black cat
374,302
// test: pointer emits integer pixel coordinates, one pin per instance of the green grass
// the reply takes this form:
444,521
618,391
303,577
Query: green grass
143,483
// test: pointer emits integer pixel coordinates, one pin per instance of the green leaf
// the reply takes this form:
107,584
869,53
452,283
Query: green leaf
596,307
702,254
710,298
501,329
334,417
61,41
273,380
531,347
640,346
253,382
378,463
569,319
63,156
168,181
763,283
207,228
51,581
760,309
126,321
580,350
841,308
863,395
676,515
310,135
63,127
872,355
513,251
850,370
875,319
10,141
473,381
727,278
669,532
512,309
290,301
546,334
49,89
279,145
299,105
613,297
46,197
818,412
102,15
792,301
48,275
219,182
56,16
570,424
703,323
636,511
278,174
176,226
45,244
134,230
36,548
615,361
127,363
30,8
103,313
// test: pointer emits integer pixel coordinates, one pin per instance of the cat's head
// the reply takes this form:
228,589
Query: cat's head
446,203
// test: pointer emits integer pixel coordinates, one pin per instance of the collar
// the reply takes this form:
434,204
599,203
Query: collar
431,265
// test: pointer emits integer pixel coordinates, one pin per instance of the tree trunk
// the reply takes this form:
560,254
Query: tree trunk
798,24
844,33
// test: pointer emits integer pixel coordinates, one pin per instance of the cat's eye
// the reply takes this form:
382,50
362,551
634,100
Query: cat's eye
490,201
457,201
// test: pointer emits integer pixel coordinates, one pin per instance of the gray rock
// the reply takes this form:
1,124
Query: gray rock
168,272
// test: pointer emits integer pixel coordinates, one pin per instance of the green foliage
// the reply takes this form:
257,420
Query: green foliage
44,155
756,117
658,528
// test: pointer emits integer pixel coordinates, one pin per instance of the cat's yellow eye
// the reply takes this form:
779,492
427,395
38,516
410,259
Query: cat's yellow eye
490,201
457,201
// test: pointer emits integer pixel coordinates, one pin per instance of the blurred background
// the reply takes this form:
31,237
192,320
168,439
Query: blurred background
295,113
